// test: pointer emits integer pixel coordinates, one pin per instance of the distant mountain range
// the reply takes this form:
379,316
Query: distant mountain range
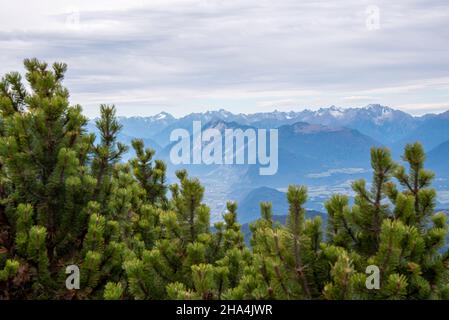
384,124
313,148
438,159
431,130
325,148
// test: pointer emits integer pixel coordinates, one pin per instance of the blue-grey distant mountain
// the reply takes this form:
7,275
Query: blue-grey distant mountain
325,149
127,139
249,207
163,136
221,126
141,127
390,127
310,148
148,143
338,146
146,127
304,148
438,159
379,122
431,131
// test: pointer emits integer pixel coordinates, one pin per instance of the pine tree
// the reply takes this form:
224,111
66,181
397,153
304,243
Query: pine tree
110,210
65,200
188,261
45,180
287,261
151,176
107,153
404,238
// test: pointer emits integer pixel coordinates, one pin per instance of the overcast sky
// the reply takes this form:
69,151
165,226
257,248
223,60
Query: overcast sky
184,56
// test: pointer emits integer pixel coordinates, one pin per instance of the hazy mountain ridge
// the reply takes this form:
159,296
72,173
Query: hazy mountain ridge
379,122
306,148
325,149
390,127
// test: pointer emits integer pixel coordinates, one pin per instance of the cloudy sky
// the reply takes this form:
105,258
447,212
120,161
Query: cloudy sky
182,56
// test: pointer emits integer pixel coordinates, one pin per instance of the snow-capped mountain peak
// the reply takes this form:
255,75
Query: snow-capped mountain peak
161,116
336,112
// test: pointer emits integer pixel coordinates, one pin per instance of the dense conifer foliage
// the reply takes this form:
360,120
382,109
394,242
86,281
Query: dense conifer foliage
67,198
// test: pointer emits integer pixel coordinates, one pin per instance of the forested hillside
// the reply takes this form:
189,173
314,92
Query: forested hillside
67,198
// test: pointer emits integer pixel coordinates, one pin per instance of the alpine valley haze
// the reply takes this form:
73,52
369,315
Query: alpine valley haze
326,149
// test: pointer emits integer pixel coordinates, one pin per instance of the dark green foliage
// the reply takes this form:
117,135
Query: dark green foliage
287,260
403,236
64,200
151,176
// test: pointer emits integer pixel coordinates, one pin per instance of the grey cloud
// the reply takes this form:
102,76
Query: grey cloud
242,46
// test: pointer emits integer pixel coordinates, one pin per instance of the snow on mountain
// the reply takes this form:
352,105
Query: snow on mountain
377,121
